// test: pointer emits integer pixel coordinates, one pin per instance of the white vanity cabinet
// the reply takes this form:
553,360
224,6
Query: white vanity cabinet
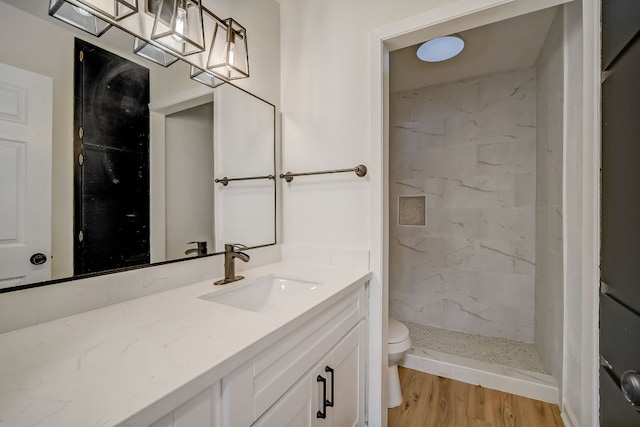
313,376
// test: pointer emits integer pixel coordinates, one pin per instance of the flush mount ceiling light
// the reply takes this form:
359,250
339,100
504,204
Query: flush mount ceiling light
78,17
441,48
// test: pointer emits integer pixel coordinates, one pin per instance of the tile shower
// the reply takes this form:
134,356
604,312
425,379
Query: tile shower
481,159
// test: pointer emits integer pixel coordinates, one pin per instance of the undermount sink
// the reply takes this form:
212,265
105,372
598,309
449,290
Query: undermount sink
262,294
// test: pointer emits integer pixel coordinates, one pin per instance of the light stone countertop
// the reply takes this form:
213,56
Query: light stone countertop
128,364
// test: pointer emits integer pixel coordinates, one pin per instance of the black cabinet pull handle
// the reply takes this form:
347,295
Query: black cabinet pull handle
323,413
331,371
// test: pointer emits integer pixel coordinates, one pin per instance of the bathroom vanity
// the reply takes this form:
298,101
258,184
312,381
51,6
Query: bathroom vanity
285,345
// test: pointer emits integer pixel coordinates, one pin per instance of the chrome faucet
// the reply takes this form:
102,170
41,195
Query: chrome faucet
230,255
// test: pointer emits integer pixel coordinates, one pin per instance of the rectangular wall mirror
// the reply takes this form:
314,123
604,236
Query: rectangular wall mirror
199,140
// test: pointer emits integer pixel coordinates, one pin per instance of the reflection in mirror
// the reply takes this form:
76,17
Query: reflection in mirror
189,161
190,214
244,151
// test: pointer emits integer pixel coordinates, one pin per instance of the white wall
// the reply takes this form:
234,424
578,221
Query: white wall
549,294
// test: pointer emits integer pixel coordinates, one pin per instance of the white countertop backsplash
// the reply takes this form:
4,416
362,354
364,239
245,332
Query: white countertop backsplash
132,362
42,304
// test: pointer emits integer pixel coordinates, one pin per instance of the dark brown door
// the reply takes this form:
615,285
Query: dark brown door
620,245
111,196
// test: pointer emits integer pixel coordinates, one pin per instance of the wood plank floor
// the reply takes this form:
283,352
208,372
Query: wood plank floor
430,400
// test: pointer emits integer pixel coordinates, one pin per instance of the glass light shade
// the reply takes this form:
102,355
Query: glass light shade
153,53
205,77
178,26
229,54
113,9
77,17
440,49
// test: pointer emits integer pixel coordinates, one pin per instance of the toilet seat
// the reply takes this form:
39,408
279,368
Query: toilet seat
398,332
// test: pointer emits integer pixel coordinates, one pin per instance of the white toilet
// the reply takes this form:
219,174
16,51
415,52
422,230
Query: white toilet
397,345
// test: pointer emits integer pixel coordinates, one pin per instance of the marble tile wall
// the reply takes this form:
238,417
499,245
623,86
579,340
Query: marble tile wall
470,147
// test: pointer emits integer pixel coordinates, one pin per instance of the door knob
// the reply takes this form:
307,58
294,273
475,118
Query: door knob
38,259
630,385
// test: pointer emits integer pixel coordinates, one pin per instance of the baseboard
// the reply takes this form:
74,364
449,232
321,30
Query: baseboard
510,380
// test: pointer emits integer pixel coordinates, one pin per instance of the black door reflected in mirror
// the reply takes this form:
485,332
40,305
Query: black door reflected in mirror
111,182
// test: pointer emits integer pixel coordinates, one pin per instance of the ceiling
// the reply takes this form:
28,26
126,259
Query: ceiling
512,44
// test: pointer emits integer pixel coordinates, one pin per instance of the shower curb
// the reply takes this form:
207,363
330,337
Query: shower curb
520,382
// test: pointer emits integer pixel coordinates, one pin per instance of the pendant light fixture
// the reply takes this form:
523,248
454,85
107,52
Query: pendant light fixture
228,55
113,9
78,17
178,32
178,26
153,53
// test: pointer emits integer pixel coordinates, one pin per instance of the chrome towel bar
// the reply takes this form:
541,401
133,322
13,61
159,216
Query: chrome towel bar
360,170
225,181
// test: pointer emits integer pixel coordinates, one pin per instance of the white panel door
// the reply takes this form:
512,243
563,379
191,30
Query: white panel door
25,176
